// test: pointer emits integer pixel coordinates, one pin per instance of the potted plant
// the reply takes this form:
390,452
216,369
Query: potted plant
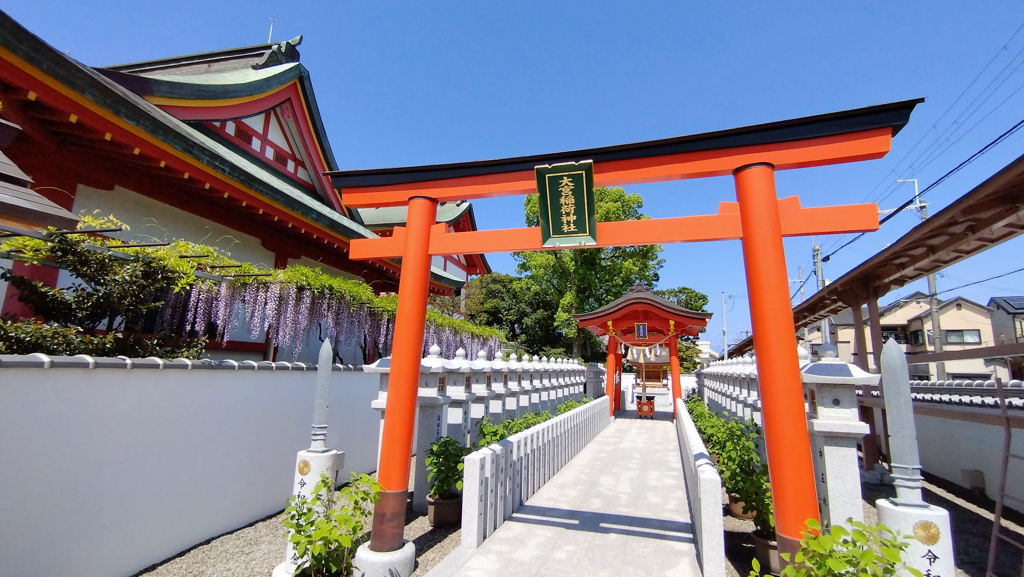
756,494
739,464
444,472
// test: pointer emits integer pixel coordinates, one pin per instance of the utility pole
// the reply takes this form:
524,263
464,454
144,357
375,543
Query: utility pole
933,297
725,333
800,286
816,252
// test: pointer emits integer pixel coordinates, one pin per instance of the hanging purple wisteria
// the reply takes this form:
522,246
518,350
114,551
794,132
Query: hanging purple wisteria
288,314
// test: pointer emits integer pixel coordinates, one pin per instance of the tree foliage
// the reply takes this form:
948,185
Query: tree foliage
576,281
694,300
517,307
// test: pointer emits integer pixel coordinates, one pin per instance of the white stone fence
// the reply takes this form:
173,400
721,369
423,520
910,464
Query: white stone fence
455,395
956,420
500,478
110,465
704,493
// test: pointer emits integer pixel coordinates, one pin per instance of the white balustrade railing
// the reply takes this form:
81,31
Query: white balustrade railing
500,478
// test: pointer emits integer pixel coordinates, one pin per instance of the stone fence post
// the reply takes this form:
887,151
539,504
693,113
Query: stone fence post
831,390
460,408
535,394
498,378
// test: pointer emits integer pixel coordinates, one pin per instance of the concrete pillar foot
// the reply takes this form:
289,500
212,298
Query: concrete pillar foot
399,563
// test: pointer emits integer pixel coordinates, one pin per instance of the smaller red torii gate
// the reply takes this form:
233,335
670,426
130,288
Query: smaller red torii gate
640,318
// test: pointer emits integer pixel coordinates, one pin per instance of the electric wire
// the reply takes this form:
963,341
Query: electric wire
807,278
978,281
931,186
888,191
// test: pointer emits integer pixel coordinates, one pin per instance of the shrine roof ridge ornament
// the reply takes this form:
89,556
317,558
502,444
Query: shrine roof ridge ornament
894,115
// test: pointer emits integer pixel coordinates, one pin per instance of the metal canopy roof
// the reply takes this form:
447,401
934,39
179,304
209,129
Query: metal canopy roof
984,217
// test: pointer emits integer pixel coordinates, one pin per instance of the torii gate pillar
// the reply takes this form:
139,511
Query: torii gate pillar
673,365
788,445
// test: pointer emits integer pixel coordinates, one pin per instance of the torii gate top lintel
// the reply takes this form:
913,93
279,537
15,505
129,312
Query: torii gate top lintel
837,137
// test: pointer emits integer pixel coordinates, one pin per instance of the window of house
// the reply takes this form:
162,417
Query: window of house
896,334
963,337
917,337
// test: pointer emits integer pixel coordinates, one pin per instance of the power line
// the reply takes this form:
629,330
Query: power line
979,281
941,179
807,278
885,193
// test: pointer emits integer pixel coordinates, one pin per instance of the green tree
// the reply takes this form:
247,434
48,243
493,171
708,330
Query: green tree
517,307
582,280
694,300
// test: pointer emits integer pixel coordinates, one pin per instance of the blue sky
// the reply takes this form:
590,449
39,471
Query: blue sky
406,83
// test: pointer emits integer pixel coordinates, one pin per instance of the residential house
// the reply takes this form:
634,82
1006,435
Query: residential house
965,325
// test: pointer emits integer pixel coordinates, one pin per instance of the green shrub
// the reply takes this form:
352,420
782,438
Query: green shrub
858,550
571,404
735,446
28,336
491,433
445,467
328,526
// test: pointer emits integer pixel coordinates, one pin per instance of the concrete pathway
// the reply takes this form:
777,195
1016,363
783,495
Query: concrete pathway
618,508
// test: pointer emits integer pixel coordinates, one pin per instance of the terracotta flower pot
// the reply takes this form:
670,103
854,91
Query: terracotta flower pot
444,512
736,509
767,553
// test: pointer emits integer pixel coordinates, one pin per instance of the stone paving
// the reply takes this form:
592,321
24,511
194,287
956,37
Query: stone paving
618,508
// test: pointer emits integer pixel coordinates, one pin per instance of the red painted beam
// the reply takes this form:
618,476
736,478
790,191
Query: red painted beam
853,147
795,221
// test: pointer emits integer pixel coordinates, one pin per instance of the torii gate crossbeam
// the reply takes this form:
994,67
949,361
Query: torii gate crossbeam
759,219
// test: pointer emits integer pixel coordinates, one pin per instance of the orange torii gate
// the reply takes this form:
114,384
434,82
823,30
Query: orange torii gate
640,318
758,218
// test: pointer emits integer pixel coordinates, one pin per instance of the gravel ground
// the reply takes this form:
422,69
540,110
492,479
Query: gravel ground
970,517
254,550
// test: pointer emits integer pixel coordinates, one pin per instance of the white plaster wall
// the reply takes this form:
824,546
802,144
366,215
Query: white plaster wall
153,221
947,446
107,471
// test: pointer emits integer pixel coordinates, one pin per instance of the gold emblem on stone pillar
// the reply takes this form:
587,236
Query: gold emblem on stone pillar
303,467
927,532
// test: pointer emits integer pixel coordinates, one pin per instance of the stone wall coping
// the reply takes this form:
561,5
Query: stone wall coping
41,361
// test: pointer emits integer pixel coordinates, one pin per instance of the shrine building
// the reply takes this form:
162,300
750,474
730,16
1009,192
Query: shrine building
222,148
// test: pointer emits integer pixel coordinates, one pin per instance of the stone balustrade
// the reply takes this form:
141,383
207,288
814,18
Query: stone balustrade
502,477
454,395
704,492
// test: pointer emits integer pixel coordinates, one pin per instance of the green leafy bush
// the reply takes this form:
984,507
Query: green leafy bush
28,336
735,446
445,467
861,549
103,312
328,526
571,404
491,433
